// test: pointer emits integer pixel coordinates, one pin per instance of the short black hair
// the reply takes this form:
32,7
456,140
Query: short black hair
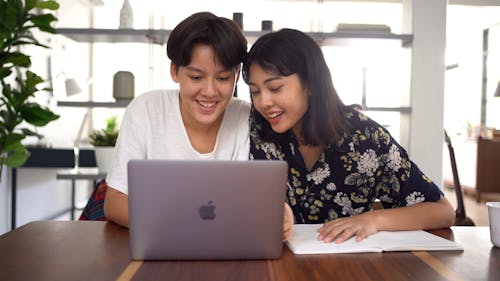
289,51
222,34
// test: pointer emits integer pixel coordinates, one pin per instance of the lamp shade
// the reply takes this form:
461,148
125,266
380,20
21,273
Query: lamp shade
497,92
72,87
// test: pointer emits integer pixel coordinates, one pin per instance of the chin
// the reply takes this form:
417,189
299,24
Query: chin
209,119
278,130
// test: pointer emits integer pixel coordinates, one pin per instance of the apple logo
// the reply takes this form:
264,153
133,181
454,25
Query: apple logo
207,212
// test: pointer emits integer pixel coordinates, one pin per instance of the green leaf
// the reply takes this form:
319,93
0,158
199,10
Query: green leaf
29,132
12,140
18,59
4,72
50,5
14,147
10,13
43,20
17,159
36,115
30,4
48,28
32,79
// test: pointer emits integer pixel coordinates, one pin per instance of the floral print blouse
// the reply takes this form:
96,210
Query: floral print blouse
366,164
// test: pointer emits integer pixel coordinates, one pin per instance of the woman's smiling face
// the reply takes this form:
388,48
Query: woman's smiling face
205,87
281,100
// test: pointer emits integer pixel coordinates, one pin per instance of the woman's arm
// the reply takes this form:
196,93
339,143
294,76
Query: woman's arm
116,207
288,222
425,215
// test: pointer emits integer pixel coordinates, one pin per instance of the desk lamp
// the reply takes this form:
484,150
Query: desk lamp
72,88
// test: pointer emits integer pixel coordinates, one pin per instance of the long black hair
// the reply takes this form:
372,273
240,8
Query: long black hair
288,52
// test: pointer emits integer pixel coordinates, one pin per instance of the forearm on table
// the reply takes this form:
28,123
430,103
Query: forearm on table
116,207
425,215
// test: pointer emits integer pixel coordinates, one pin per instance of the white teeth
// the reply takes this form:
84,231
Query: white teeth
274,115
207,104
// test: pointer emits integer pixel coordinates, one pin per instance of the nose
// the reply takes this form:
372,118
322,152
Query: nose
265,100
209,89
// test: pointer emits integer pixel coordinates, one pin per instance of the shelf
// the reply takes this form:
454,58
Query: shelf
160,36
118,103
389,109
115,35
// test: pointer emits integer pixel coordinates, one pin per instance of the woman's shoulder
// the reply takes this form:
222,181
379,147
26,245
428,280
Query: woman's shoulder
154,98
155,95
364,130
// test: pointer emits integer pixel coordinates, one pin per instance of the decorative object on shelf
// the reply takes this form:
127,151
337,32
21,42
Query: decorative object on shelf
123,85
104,141
19,85
238,19
70,85
267,25
126,16
497,91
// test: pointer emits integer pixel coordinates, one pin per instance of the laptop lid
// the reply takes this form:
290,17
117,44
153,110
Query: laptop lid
206,209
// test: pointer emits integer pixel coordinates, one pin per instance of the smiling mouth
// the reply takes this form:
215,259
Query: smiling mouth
274,115
207,104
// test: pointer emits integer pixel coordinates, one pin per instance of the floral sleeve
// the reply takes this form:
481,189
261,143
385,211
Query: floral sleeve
401,183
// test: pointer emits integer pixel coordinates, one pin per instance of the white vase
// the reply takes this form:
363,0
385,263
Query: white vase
126,15
104,158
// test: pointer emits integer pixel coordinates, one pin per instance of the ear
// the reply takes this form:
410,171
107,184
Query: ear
173,72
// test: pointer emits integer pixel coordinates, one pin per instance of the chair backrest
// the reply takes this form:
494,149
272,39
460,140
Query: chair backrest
460,216
94,210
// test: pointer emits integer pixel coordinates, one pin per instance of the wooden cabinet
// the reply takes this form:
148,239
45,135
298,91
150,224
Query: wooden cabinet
488,167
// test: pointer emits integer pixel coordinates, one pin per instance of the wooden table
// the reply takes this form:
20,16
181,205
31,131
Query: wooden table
77,250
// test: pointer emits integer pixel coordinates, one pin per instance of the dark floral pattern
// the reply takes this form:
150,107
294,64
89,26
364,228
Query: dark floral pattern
365,165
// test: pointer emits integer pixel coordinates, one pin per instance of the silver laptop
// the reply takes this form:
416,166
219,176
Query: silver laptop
206,209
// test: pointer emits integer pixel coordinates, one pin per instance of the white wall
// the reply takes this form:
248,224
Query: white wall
428,26
4,202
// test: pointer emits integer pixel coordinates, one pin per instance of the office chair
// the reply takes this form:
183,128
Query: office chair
460,216
94,210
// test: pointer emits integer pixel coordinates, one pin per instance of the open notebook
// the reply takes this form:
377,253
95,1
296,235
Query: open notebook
305,241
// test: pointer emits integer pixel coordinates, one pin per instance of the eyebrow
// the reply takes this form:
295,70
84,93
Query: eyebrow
268,80
192,68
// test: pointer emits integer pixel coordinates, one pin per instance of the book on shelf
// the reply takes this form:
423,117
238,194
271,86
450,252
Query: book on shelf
305,241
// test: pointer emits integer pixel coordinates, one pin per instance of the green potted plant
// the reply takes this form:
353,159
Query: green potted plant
104,141
18,19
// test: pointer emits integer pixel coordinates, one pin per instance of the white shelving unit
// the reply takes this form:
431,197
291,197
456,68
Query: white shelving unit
90,104
160,36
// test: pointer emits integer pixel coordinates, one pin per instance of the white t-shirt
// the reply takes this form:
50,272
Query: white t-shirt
152,128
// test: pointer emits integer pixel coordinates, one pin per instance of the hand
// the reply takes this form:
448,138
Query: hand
342,229
288,222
